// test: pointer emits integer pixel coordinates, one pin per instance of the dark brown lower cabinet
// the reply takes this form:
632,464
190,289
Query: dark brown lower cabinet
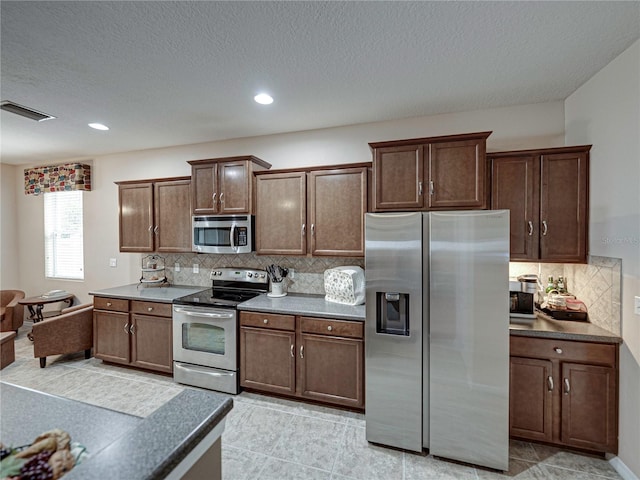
564,392
134,333
267,360
152,343
530,401
310,358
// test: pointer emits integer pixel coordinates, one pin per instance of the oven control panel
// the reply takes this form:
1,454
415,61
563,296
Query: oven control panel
239,275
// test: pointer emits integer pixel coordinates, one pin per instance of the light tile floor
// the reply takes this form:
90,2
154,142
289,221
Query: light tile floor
272,438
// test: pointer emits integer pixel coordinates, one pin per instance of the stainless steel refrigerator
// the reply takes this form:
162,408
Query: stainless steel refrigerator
437,333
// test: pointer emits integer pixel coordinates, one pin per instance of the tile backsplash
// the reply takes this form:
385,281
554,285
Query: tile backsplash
308,277
596,283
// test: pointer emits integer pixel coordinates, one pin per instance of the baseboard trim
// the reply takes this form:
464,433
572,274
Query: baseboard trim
624,471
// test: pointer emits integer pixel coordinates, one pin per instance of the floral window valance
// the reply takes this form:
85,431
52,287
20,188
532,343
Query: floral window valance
57,178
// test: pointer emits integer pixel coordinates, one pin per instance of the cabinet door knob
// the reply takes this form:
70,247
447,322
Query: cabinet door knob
149,309
265,321
109,304
558,350
329,328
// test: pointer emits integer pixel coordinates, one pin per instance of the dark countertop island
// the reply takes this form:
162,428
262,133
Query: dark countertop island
120,445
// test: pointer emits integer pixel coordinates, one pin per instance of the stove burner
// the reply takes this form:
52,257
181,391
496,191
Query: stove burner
230,287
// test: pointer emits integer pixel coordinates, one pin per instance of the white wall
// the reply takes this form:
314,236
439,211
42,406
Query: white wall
9,272
527,126
605,112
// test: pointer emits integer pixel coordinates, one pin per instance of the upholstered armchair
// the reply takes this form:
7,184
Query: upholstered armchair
69,332
11,312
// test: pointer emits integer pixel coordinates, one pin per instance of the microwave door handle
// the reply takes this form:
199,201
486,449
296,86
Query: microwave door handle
233,234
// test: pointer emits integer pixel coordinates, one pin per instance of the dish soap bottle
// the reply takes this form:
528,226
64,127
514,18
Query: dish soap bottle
550,285
561,286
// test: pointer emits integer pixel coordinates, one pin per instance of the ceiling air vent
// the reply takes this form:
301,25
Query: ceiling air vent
25,111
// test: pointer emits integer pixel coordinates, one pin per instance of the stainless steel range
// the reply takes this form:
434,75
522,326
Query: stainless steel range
205,326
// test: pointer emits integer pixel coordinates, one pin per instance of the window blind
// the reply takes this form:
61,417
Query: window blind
63,231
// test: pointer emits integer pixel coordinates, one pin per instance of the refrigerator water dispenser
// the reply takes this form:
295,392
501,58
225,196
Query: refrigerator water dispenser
393,313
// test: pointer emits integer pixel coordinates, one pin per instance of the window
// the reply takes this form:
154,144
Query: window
63,239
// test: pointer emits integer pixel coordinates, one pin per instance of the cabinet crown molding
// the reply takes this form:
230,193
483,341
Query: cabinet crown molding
439,139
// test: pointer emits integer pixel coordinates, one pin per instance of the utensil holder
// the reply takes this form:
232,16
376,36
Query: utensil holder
277,288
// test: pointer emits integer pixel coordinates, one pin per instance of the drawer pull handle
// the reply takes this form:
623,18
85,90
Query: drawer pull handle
292,354
265,321
109,304
329,328
150,309
301,351
550,383
558,350
567,387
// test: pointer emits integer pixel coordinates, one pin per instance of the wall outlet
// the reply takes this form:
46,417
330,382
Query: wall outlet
292,273
176,267
636,307
113,262
196,268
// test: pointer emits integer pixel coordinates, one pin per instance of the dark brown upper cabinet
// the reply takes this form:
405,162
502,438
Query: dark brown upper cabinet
318,211
224,185
155,215
547,194
433,173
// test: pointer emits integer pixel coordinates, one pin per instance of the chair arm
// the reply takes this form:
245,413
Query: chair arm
75,308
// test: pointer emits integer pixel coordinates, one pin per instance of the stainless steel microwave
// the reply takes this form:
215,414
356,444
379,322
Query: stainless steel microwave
222,233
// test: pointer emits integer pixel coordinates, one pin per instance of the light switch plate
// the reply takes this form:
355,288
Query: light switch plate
636,307
196,268
113,262
291,273
176,267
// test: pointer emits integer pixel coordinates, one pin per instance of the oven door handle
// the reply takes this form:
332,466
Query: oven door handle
199,313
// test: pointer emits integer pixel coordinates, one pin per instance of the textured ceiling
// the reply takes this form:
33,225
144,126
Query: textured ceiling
173,73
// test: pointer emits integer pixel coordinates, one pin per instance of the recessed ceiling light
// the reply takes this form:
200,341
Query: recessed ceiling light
263,99
98,126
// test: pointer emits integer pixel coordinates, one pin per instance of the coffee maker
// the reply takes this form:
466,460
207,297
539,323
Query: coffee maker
522,293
